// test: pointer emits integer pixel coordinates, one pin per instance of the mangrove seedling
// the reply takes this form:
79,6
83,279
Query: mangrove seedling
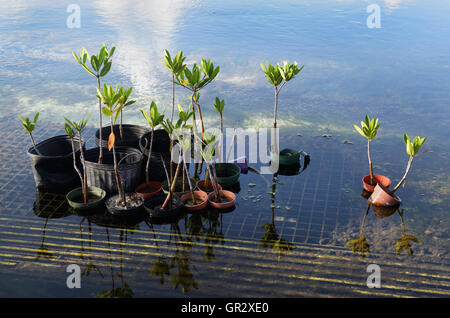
219,106
369,128
112,99
101,64
124,102
154,118
169,127
196,79
72,129
278,76
207,153
176,66
412,149
29,127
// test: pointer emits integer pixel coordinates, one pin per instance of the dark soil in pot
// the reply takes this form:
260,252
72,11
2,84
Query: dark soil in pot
131,135
153,207
53,169
133,204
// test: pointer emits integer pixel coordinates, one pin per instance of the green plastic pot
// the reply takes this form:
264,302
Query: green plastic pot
75,198
289,157
227,173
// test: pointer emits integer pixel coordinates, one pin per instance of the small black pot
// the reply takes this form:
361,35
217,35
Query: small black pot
53,169
152,202
131,135
114,210
160,147
102,175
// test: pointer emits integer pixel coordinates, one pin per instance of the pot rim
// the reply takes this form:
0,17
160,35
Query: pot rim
79,190
230,195
108,166
32,152
198,194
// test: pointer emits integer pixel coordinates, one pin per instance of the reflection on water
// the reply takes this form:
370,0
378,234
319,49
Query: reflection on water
360,244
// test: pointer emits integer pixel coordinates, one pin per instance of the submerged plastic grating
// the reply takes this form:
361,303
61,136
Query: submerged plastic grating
220,254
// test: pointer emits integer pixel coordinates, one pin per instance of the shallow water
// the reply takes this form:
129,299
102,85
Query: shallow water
398,73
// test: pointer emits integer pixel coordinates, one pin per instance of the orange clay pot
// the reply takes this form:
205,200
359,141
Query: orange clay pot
225,195
201,195
201,186
384,197
377,178
148,189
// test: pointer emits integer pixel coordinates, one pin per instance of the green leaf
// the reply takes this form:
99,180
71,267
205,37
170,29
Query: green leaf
106,111
95,63
105,69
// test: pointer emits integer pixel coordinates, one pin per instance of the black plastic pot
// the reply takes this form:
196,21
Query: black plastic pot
102,175
53,169
160,148
114,210
151,206
131,135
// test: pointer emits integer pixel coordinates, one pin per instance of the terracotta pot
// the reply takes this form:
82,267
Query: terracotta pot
377,178
229,196
384,197
199,195
201,186
148,189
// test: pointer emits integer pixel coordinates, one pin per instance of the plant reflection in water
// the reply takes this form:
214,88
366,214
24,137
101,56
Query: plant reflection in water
179,262
125,290
271,239
404,242
43,251
361,245
89,266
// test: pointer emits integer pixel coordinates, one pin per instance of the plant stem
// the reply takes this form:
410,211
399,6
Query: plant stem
213,180
171,163
83,163
370,162
147,166
34,145
172,187
408,167
100,124
76,168
185,170
116,170
120,126
173,96
275,106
